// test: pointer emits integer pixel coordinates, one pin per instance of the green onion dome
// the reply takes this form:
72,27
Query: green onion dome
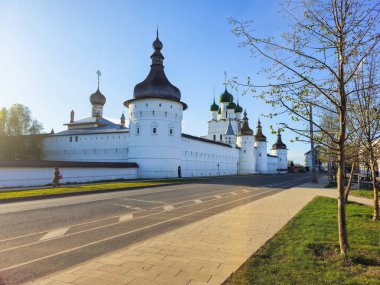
231,105
214,107
238,109
226,97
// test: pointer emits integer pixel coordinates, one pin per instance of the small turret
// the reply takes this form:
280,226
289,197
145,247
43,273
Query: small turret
261,150
279,149
98,100
245,140
259,133
122,121
238,111
214,108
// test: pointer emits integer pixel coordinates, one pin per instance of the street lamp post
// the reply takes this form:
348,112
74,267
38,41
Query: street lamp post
314,177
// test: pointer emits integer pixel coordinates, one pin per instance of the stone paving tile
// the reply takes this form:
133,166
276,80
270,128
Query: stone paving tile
204,252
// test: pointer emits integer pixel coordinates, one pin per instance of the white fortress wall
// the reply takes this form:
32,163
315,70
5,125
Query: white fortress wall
200,158
110,147
272,164
36,176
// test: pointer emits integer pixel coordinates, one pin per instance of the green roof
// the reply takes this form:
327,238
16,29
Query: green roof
231,105
226,97
214,107
238,109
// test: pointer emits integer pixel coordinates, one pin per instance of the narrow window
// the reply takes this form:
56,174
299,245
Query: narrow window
170,131
138,131
153,113
71,139
154,131
166,114
214,137
76,138
159,104
221,137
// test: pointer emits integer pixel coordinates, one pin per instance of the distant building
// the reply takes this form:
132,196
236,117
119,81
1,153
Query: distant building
319,165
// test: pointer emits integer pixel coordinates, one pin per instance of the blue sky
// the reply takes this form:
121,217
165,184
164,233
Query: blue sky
50,51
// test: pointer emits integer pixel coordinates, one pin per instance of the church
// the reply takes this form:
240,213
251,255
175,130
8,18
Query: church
153,139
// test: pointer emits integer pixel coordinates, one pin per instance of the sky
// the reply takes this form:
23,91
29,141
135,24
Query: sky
50,51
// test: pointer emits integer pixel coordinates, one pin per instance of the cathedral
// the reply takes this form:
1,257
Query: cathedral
153,139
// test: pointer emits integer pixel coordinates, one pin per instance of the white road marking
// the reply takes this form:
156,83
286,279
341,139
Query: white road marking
197,201
216,196
54,234
169,208
156,202
127,233
126,217
128,207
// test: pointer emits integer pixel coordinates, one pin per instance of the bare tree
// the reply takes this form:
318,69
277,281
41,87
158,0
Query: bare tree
314,65
365,116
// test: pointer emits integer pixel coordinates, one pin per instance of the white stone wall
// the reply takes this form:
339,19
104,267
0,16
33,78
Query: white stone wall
272,164
36,176
111,147
247,157
206,159
261,157
155,137
282,155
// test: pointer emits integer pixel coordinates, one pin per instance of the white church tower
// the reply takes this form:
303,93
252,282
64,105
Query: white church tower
261,150
245,140
155,116
279,149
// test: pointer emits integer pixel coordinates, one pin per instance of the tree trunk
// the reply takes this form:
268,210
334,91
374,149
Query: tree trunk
347,192
342,225
375,192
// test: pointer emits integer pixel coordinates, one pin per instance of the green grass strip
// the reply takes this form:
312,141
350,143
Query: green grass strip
85,188
306,250
362,193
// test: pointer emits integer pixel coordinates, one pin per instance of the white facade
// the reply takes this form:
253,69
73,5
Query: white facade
34,176
153,138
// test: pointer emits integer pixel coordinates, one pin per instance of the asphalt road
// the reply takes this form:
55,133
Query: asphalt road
43,236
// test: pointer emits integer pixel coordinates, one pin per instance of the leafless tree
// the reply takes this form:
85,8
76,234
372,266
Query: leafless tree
314,65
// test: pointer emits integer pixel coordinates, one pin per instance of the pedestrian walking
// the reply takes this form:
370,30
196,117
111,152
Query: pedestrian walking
57,177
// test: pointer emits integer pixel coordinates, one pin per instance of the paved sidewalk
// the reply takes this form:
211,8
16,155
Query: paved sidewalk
205,252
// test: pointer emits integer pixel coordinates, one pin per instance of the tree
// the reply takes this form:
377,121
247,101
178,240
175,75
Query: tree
365,116
313,65
19,134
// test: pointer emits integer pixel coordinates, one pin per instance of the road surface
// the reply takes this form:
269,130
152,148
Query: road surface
44,236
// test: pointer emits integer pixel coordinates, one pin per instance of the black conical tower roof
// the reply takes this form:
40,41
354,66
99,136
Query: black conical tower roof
279,144
259,133
245,130
157,85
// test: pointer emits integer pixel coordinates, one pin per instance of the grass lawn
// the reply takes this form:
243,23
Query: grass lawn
362,193
306,250
85,188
